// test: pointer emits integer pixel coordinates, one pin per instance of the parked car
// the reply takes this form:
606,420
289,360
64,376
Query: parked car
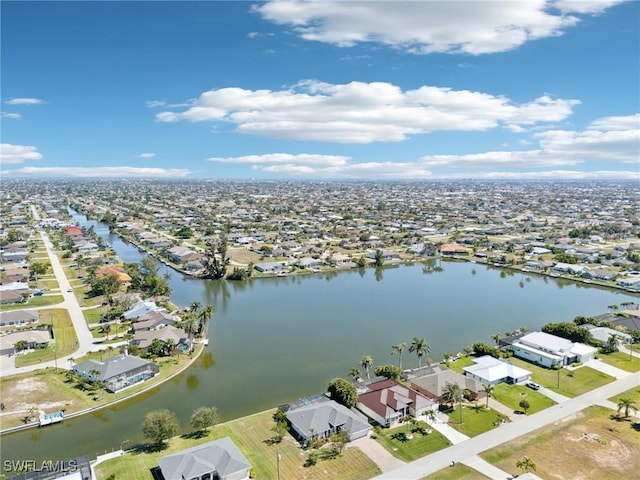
69,289
534,385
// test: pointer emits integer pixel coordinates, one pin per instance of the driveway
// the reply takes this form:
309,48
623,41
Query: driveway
377,453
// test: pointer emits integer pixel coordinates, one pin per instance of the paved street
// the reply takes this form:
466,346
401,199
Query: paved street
464,450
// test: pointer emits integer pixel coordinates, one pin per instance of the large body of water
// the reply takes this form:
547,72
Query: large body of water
276,340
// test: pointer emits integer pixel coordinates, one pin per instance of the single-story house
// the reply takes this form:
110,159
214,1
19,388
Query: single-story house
387,255
602,334
431,382
453,249
569,268
600,274
10,296
33,338
217,460
325,417
140,308
87,247
309,262
144,338
154,320
388,402
491,371
118,372
549,350
18,317
119,272
271,267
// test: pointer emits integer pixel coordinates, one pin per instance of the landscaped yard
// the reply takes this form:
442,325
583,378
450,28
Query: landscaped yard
457,472
572,382
621,360
458,365
589,446
65,334
249,434
409,450
511,395
475,420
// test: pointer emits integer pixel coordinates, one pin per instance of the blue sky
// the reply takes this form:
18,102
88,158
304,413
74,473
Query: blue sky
296,89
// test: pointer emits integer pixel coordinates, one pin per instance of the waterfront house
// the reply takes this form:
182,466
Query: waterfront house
140,308
387,402
271,267
18,318
118,372
154,320
431,382
602,334
491,371
217,460
549,350
144,338
453,249
324,417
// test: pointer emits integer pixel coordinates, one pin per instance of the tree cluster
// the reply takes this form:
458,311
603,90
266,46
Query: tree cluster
570,331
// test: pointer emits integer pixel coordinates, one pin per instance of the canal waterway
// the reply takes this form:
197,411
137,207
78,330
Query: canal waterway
276,340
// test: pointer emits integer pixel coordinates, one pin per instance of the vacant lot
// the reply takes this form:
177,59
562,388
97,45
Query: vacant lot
243,256
418,446
621,360
249,434
475,419
511,395
458,472
589,445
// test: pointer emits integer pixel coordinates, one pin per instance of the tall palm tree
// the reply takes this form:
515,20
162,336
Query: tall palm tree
451,393
355,374
627,405
191,325
195,306
496,338
399,348
488,390
526,465
421,347
203,318
367,363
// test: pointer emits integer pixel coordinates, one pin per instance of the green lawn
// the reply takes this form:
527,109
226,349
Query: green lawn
457,472
66,339
34,302
459,364
249,434
633,394
511,395
621,360
419,446
474,420
572,382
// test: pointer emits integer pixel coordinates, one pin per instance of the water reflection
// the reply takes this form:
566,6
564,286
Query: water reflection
192,382
207,360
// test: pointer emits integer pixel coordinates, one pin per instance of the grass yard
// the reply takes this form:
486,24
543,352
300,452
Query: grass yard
34,302
511,395
249,434
621,360
457,472
458,365
419,446
66,339
474,420
572,382
243,256
633,395
590,446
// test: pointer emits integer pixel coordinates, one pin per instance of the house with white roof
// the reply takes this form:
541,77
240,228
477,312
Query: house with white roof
602,334
141,308
549,350
491,371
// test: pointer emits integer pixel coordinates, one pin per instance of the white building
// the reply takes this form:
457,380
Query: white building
491,371
548,350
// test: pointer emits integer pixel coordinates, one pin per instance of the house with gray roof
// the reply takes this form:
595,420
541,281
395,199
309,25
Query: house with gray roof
323,418
431,382
118,372
217,460
18,317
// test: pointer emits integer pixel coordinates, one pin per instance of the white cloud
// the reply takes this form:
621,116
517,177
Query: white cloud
360,112
15,116
147,155
24,101
550,175
100,172
11,154
620,144
285,158
422,27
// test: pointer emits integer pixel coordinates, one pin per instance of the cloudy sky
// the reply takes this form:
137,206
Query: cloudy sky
536,89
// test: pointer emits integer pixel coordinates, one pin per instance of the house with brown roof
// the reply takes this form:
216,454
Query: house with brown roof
387,402
453,249
119,272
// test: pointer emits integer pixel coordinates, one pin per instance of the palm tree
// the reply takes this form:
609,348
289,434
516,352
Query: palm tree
451,393
191,325
627,405
421,347
203,318
355,374
526,465
195,306
488,390
367,363
399,348
496,338
446,357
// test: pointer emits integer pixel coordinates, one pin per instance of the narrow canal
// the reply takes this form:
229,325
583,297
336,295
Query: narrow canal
280,339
